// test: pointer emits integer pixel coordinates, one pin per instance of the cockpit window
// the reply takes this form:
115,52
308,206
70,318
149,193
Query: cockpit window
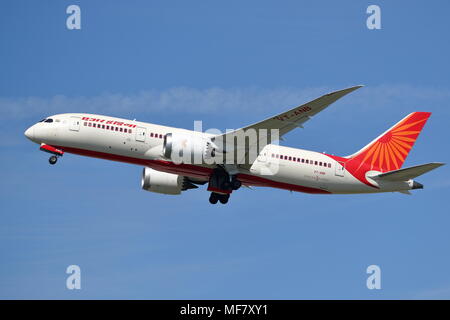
42,120
49,120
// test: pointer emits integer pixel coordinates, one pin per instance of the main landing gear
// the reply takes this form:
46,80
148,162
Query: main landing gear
215,197
221,186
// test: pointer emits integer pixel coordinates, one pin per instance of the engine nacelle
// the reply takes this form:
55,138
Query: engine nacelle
187,148
163,182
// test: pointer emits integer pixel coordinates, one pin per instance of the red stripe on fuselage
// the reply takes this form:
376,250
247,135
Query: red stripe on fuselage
191,170
161,165
263,182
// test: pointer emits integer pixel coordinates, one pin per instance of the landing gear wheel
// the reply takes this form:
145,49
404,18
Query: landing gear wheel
52,159
235,184
213,198
224,198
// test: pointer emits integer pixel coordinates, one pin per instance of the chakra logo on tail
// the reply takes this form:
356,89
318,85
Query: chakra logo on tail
389,151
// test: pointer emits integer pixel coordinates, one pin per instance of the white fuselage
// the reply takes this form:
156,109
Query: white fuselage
142,143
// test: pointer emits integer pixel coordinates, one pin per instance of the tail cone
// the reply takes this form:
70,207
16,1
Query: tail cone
417,185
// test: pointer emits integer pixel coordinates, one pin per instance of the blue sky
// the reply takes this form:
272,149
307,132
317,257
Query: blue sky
227,63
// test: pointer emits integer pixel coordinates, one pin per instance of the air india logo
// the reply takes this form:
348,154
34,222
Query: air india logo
390,151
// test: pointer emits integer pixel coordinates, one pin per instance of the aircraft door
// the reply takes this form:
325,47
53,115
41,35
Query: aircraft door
74,123
262,156
140,134
340,169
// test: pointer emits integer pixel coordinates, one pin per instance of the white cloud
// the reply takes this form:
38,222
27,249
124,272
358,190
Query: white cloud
413,98
187,100
214,100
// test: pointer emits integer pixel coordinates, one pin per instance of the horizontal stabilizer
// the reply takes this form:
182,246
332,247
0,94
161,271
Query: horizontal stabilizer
407,173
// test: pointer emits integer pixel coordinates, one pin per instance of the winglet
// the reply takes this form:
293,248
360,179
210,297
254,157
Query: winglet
345,91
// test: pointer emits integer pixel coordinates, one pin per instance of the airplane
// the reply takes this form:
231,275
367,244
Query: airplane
375,168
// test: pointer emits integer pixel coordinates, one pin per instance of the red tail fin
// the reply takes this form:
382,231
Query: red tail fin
389,151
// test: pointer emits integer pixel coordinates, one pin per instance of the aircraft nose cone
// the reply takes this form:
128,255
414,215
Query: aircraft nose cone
29,133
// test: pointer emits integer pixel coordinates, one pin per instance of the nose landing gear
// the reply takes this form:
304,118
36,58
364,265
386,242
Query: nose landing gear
55,153
52,160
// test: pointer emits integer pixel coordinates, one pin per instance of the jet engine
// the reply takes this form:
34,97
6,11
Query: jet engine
187,148
163,182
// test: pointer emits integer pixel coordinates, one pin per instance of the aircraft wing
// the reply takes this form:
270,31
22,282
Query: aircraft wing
286,121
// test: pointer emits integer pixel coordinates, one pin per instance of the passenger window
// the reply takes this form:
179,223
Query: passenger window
121,130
